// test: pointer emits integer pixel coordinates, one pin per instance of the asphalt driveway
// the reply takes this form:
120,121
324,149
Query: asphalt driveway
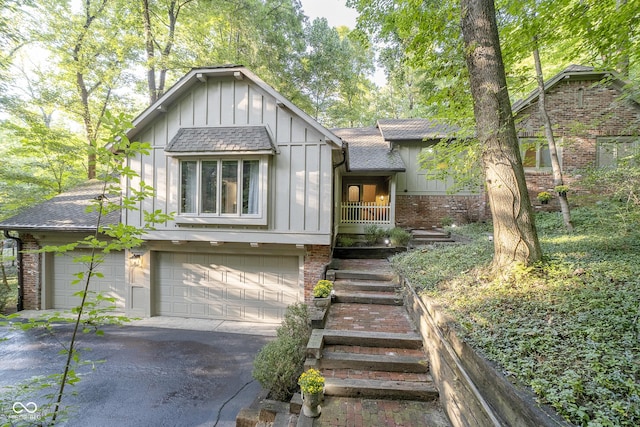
150,376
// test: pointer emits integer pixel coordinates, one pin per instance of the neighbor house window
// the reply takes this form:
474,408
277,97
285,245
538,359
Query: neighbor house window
614,151
535,154
221,187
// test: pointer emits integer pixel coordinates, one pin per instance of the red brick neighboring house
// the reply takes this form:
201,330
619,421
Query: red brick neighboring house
594,124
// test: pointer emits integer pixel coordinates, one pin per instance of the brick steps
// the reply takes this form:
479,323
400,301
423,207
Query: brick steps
369,347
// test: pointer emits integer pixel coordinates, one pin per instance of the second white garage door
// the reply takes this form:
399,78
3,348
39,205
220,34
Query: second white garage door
65,268
255,288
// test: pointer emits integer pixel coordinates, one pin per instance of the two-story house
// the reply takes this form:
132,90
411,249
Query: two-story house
260,190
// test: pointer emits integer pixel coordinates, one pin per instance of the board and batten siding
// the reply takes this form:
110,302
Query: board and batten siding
414,182
300,173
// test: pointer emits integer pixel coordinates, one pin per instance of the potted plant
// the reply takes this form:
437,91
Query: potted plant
561,190
544,197
311,384
322,292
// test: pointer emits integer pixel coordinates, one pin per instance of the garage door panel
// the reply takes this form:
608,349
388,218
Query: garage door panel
234,286
65,270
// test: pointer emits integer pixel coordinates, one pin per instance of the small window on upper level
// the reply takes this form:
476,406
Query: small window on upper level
615,151
580,97
535,153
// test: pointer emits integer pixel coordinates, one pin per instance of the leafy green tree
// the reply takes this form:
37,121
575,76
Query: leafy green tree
89,48
321,66
352,106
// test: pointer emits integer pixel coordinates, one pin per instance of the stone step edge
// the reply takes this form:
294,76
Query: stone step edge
362,275
368,298
374,362
401,390
350,285
320,337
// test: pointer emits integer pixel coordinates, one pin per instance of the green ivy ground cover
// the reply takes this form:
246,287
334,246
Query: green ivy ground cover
569,327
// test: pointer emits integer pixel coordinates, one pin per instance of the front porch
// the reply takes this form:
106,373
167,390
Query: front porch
366,200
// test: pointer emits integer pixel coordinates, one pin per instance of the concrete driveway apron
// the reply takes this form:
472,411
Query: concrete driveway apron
150,376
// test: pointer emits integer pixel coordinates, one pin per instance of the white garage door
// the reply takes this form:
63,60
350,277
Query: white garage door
255,288
64,270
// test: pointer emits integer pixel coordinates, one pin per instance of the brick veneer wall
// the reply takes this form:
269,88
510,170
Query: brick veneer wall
31,263
576,127
315,264
428,211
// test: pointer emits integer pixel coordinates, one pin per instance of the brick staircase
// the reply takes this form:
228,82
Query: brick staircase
369,347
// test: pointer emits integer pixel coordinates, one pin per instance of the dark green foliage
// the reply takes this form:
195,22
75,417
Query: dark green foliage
279,363
399,236
568,327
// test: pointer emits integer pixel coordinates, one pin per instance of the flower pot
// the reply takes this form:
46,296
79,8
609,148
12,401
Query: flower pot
544,202
311,404
321,302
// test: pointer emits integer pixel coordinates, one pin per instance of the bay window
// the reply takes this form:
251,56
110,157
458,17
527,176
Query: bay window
222,188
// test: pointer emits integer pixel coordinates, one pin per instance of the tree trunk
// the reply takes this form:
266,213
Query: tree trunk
150,49
515,236
553,149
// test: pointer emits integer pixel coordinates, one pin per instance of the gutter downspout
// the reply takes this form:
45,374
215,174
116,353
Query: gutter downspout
345,147
20,305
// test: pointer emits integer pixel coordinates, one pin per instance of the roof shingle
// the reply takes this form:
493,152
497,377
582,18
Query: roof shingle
221,139
65,212
368,151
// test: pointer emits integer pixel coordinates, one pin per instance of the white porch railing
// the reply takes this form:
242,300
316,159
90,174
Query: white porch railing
365,213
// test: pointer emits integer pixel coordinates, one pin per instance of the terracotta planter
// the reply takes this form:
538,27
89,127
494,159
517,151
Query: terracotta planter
311,404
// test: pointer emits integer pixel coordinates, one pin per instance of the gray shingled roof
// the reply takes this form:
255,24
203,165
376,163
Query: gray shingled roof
221,139
368,151
414,129
65,212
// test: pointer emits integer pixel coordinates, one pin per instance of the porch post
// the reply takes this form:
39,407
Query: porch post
392,200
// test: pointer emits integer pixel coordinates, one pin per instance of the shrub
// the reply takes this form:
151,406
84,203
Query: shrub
372,233
399,236
278,364
446,221
345,241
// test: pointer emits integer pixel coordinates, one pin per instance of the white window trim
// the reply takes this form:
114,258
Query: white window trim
614,140
219,218
538,142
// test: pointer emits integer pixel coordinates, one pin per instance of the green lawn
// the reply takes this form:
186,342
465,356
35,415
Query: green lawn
569,327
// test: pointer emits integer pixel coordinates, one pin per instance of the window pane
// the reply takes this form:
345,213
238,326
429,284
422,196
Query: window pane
188,186
229,190
545,157
529,157
354,193
250,186
369,193
209,186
